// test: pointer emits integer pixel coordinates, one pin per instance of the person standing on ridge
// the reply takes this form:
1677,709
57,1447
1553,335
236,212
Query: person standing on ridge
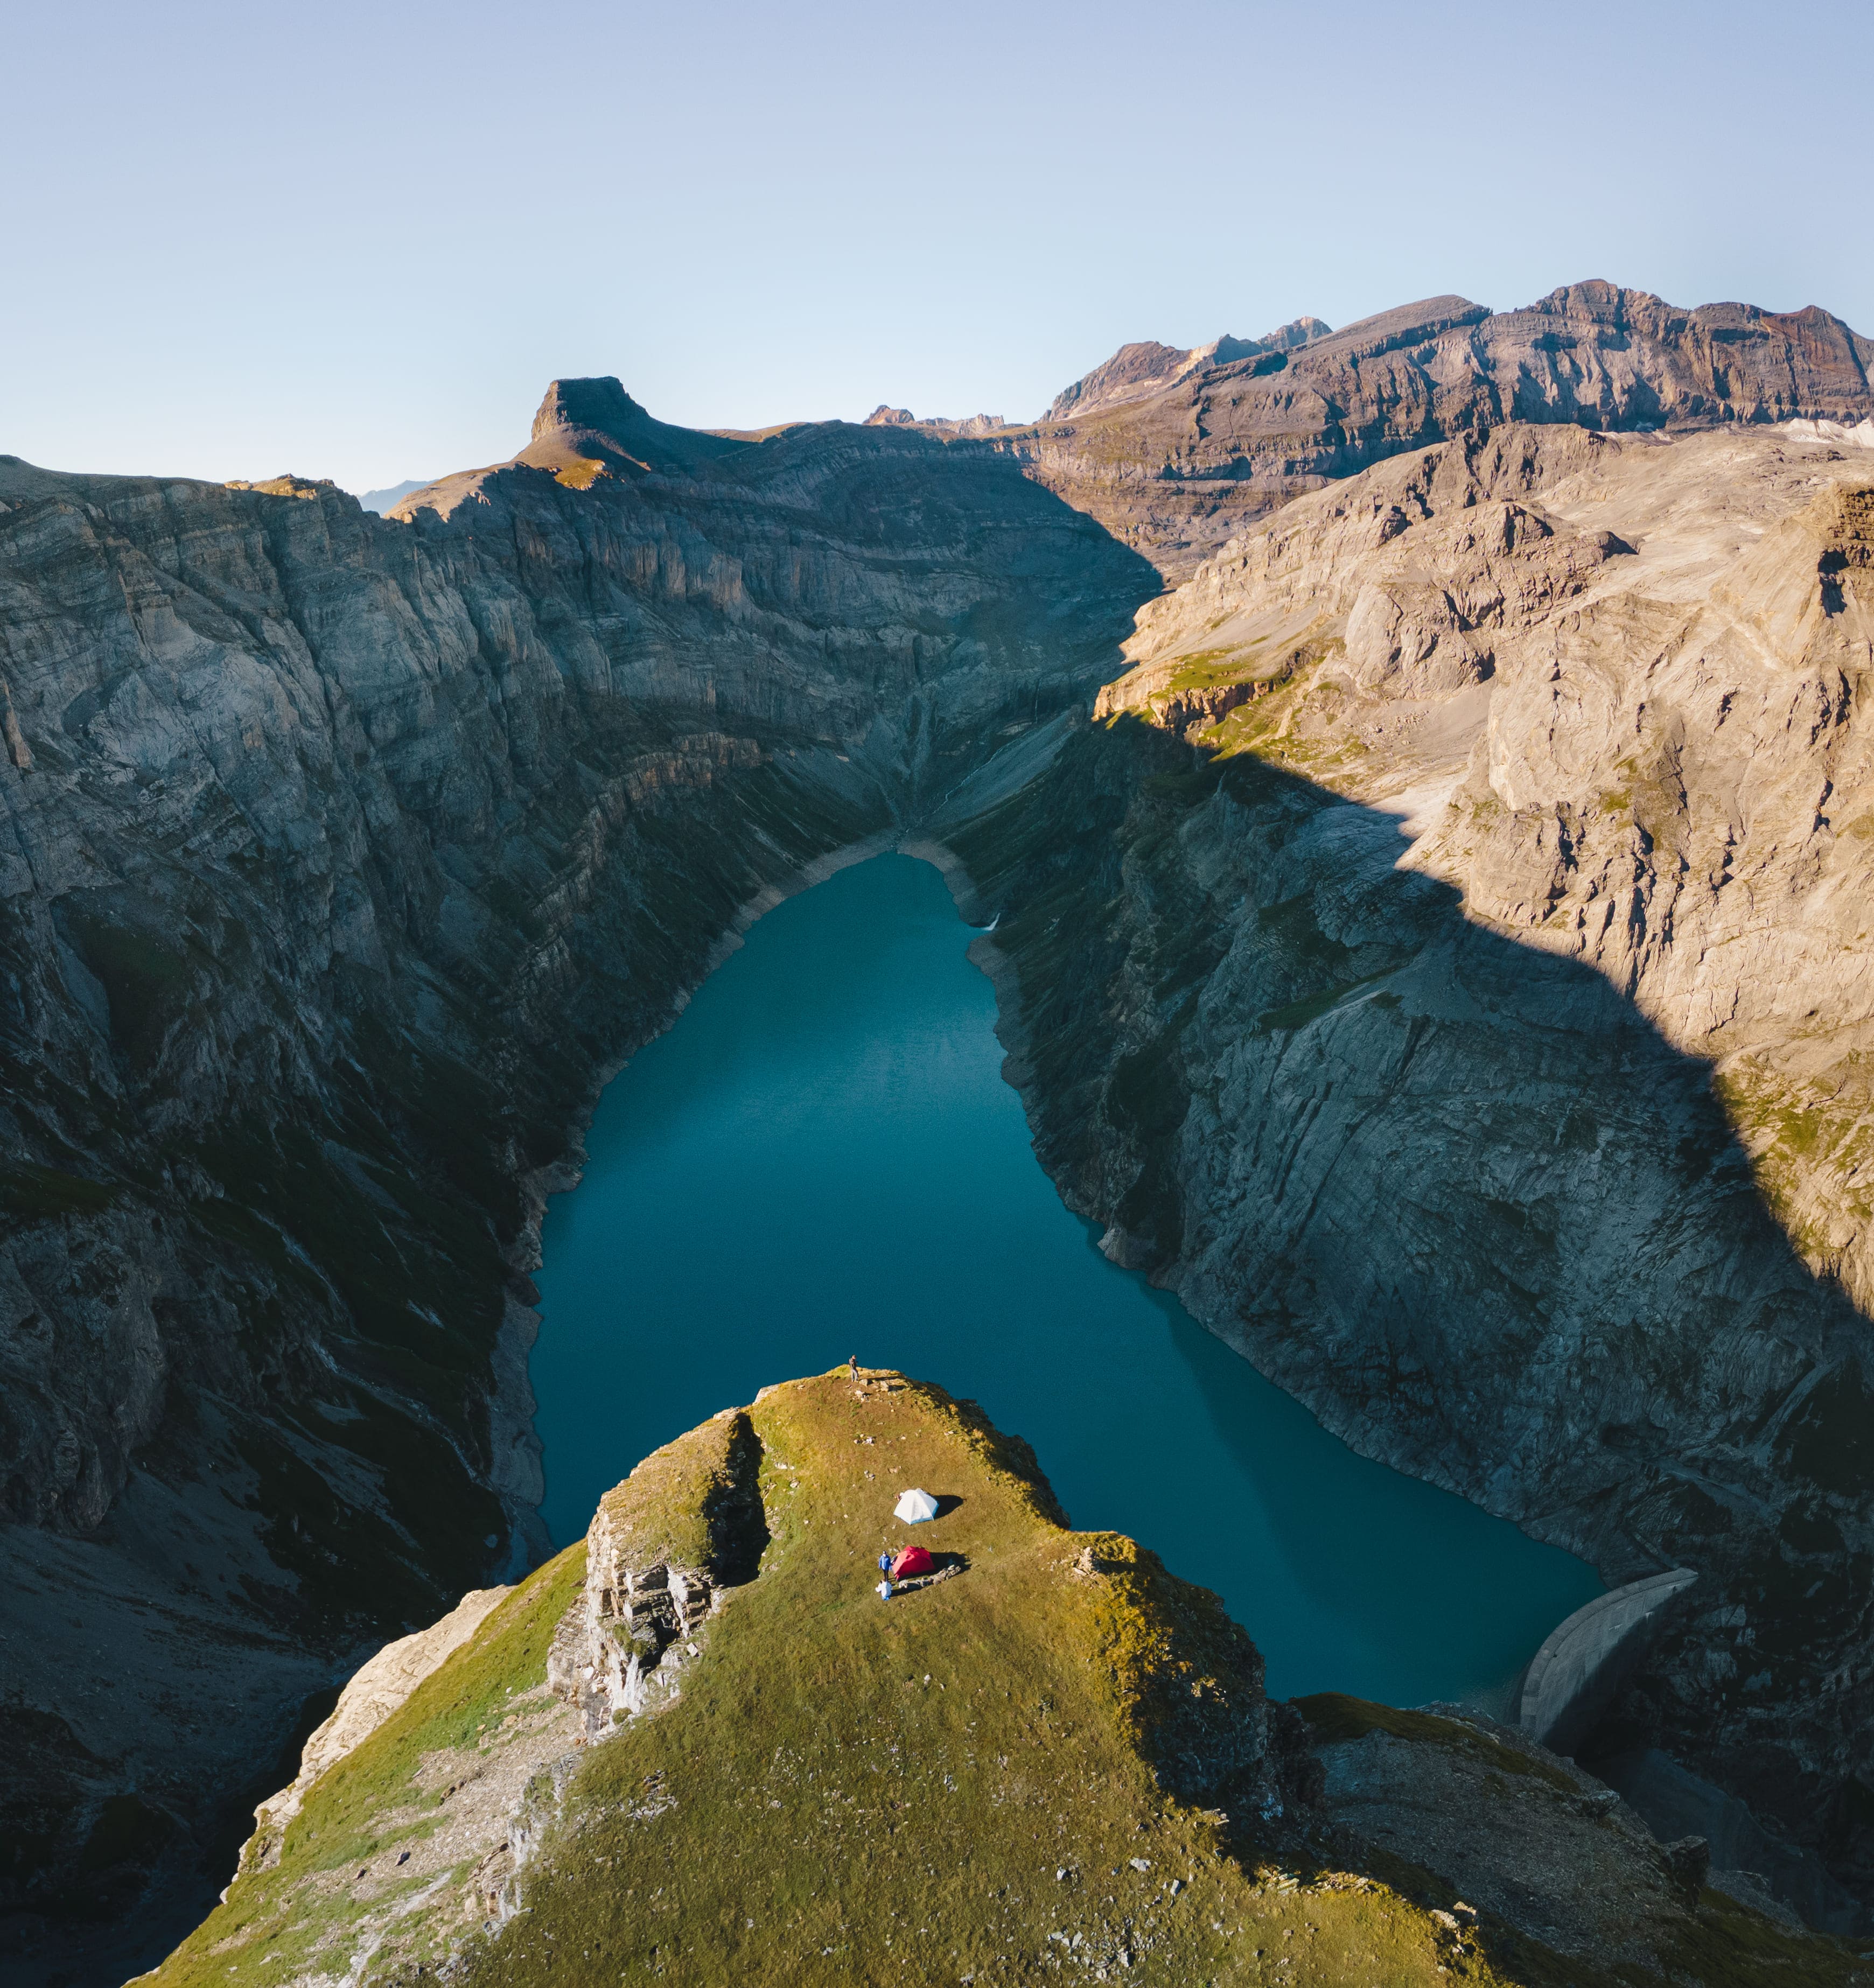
852,1361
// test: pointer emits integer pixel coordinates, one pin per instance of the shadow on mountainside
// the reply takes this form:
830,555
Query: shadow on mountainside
431,823
1463,1199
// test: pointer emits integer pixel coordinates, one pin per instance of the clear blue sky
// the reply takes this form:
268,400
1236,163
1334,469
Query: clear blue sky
357,240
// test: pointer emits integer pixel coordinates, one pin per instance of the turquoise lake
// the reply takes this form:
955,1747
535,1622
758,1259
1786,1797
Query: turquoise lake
821,1158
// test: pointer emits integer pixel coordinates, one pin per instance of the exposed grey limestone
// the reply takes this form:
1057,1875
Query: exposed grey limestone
1137,372
1515,1831
1467,1014
664,1551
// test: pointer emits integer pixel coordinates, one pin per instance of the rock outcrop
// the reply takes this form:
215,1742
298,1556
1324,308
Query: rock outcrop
1175,451
1446,963
1059,1762
1520,1835
340,859
662,1553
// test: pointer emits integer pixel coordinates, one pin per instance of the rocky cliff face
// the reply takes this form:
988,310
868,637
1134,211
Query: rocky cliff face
344,857
341,858
1139,372
1175,451
1445,961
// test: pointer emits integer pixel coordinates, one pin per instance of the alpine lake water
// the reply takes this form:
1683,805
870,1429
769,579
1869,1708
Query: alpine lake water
821,1158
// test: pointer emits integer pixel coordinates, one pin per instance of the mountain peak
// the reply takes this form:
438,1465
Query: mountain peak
1137,371
599,407
586,427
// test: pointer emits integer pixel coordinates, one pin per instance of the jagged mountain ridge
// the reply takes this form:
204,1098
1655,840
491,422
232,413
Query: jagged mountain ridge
883,416
1186,452
341,858
1137,372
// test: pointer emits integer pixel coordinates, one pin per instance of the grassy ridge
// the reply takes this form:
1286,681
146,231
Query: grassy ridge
1050,1764
859,1790
287,1916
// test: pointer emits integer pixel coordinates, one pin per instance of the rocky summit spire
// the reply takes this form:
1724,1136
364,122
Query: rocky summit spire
595,422
599,407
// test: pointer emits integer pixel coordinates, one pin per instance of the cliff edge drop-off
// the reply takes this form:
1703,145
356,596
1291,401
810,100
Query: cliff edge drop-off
1434,927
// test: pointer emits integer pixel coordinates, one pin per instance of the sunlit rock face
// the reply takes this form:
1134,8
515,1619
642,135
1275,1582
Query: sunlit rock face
1175,451
341,858
344,855
1469,1011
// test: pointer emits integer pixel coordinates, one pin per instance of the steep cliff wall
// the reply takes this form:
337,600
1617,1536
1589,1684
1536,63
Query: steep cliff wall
340,859
1445,961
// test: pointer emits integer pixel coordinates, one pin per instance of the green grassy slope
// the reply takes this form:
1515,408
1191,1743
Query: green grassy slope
1050,1764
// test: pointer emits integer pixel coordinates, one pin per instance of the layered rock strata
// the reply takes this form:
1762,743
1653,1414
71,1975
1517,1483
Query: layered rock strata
1175,451
1139,371
341,859
662,1553
1446,962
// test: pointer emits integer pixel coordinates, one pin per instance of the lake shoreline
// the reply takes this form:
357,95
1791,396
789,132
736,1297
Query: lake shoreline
835,1155
517,1472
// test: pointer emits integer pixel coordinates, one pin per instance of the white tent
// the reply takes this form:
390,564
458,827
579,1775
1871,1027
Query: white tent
916,1508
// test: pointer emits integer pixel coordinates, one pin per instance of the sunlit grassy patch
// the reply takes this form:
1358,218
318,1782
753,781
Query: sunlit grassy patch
858,1790
1048,1765
281,1920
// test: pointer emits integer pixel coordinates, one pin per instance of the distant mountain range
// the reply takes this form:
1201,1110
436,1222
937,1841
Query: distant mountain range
1137,372
1176,449
380,501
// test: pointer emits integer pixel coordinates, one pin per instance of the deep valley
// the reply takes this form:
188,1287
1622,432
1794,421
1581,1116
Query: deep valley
1415,785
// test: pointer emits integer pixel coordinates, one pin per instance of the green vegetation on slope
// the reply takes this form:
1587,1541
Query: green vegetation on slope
1050,1762
291,1908
854,1789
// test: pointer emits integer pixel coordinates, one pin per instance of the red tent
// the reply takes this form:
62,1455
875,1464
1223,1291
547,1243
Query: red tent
913,1560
